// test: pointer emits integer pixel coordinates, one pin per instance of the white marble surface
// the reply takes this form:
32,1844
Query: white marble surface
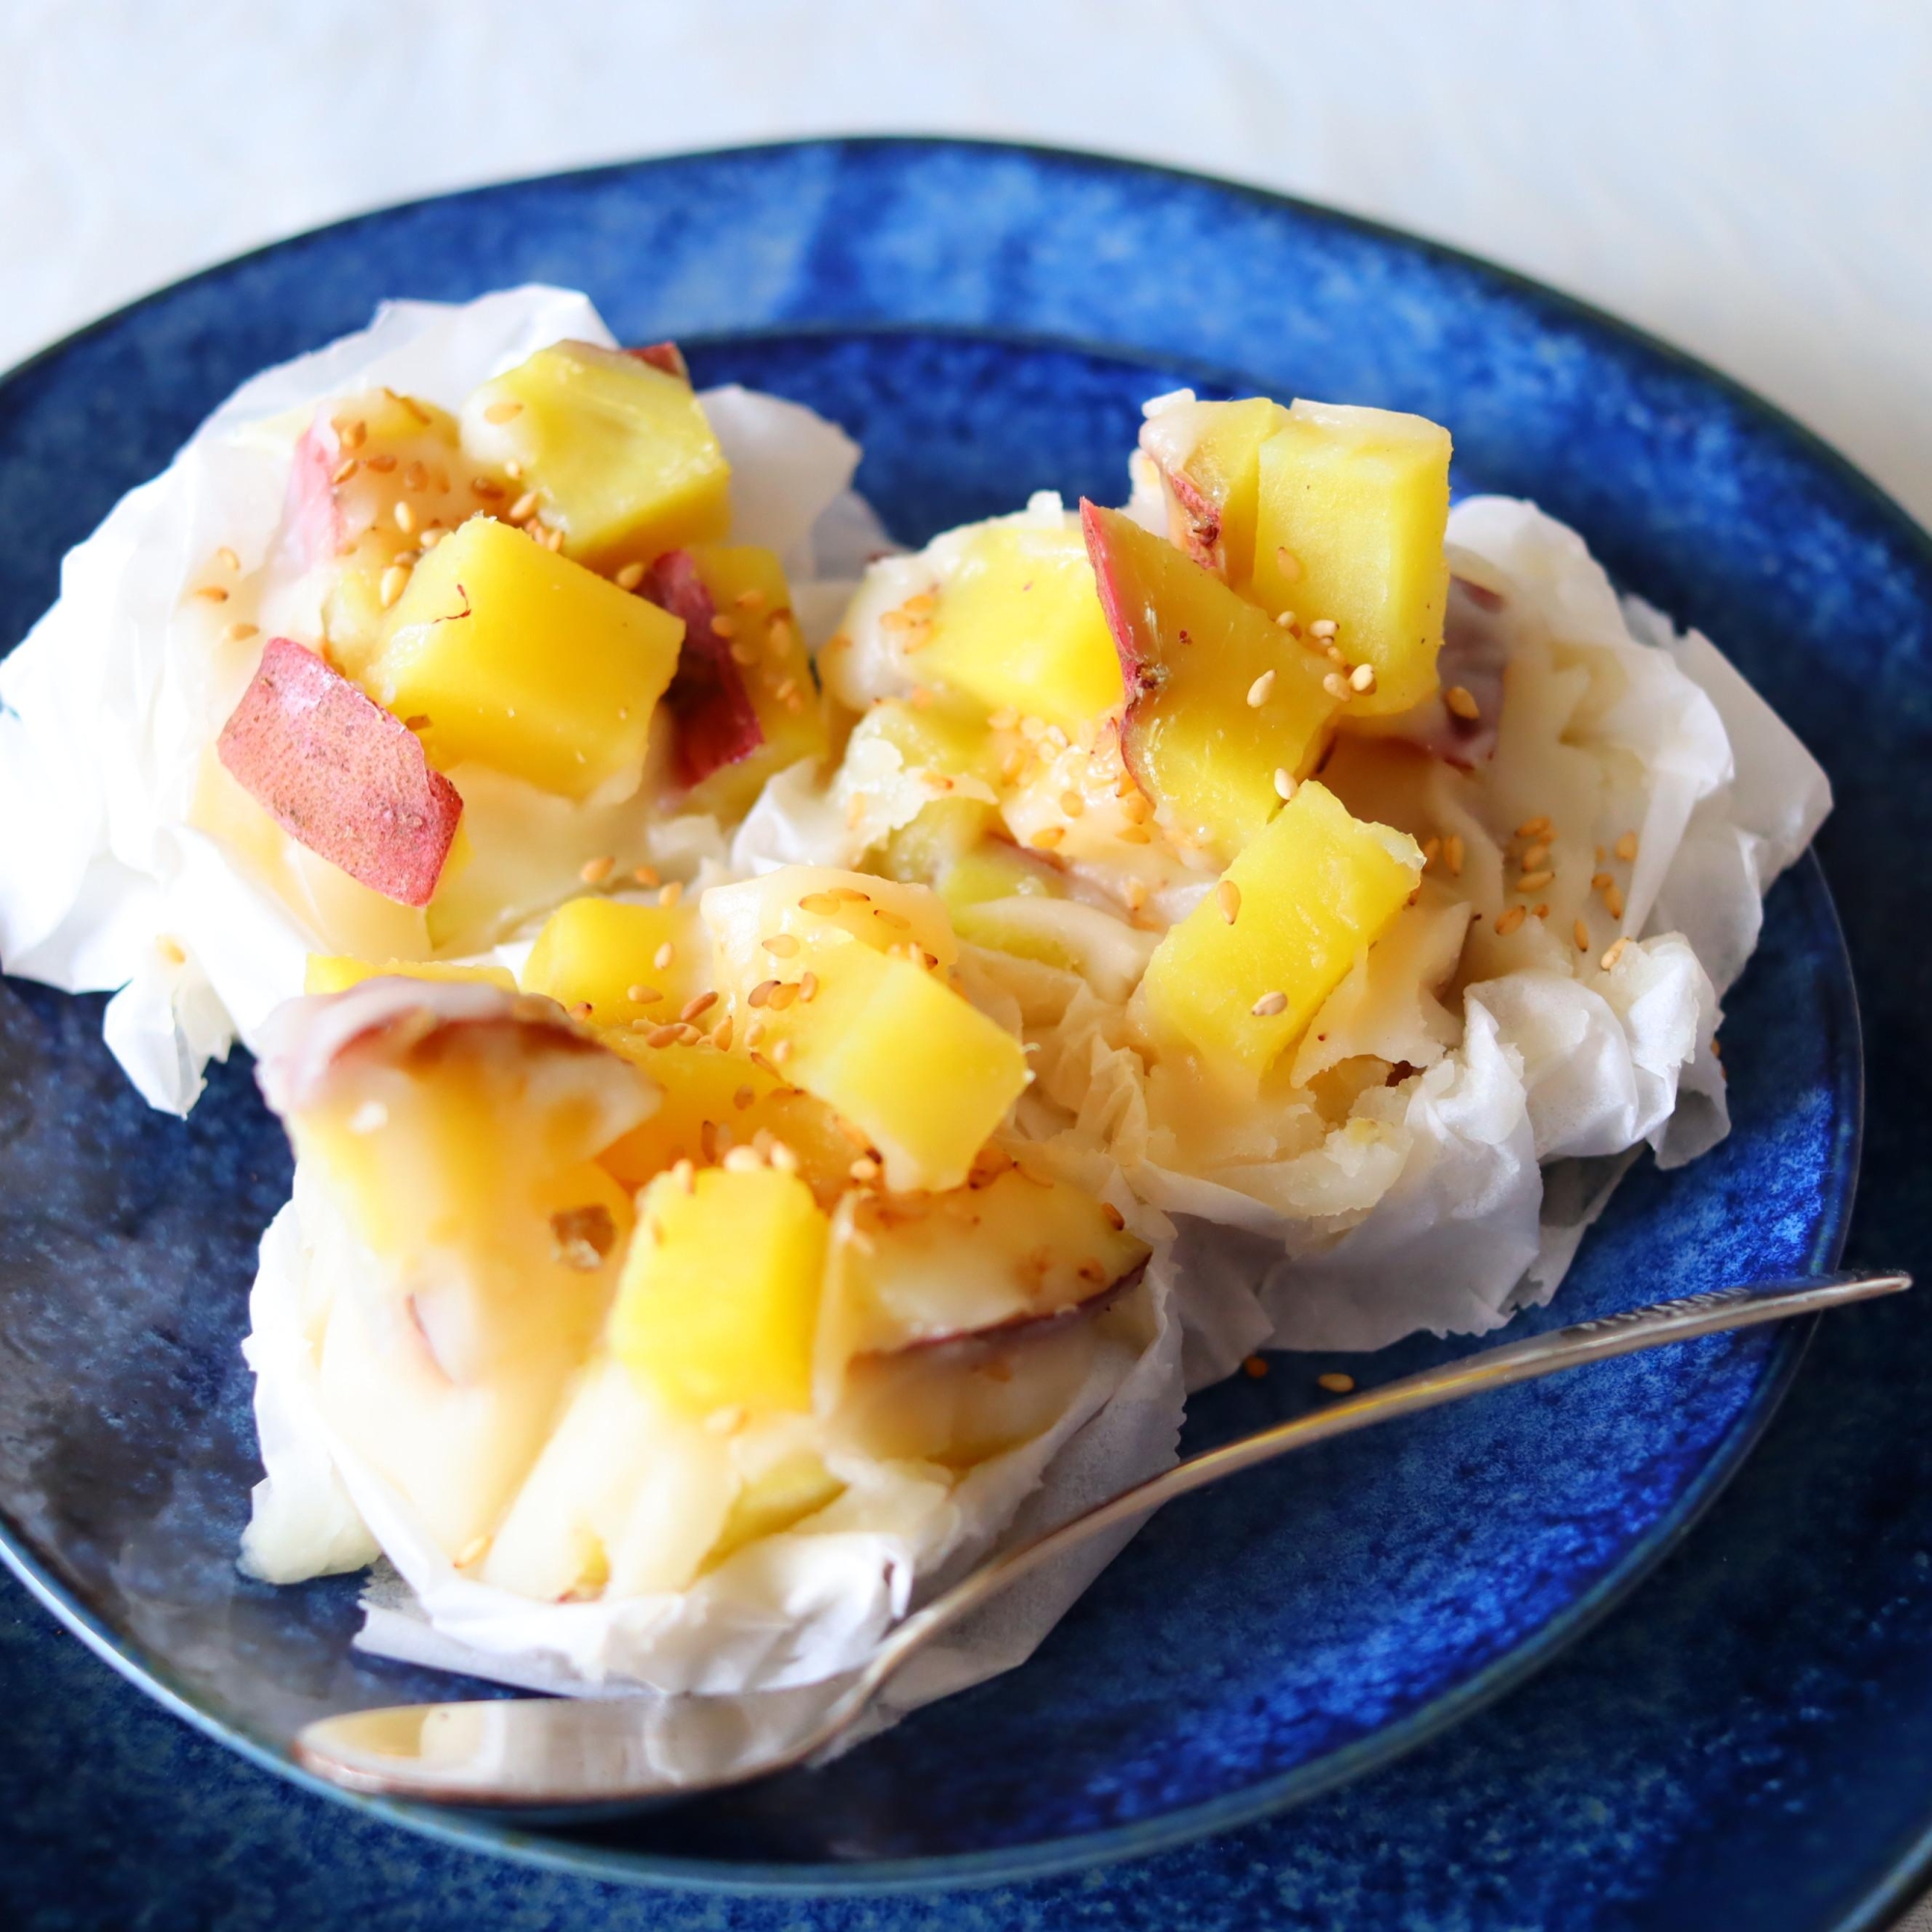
1748,178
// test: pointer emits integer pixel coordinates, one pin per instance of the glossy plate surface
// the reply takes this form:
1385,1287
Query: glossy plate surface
945,303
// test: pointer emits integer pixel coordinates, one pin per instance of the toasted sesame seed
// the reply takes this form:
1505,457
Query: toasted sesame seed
1136,808
760,993
213,593
1257,691
645,875
356,435
720,1037
1452,854
808,988
1228,896
239,634
381,465
753,599
487,488
1534,882
553,540
1268,1005
1541,911
594,871
851,895
1602,853
783,995
641,996
699,1003
415,476
726,627
1432,850
1535,827
1459,700
1580,933
781,945
1608,962
1614,901
395,581
673,891
1363,677
227,559
663,955
524,509
1626,847
895,921
1132,834
501,412
630,577
663,1036
1072,804
1335,1383
405,518
431,535
1284,620
1536,857
1598,880
743,655
346,469
1047,836
1508,921
1336,686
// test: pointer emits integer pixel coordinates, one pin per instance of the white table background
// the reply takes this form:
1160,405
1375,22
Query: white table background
1748,178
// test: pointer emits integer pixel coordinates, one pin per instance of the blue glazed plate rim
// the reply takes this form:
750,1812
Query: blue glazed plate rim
477,1831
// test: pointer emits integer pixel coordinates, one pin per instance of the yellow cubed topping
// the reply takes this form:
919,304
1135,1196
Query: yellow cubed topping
1353,507
1309,896
923,1074
336,973
719,1301
600,952
1018,624
781,1499
1220,699
501,653
767,650
1209,458
618,452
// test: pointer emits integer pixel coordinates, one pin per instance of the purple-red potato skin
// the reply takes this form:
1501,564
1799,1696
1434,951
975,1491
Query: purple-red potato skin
1131,628
1024,1327
1194,521
312,519
715,721
340,775
665,356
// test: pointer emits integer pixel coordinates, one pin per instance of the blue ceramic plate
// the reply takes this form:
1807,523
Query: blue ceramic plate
986,321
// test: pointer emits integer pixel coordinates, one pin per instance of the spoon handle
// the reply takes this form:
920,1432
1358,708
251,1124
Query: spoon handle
576,1757
1625,1334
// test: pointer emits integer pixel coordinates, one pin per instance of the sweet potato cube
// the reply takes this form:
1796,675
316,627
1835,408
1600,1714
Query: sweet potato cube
600,952
1209,455
1018,624
719,1301
926,1075
616,448
1311,893
744,700
340,775
1353,507
502,653
1219,699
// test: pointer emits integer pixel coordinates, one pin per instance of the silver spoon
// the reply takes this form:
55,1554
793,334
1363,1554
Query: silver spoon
582,1755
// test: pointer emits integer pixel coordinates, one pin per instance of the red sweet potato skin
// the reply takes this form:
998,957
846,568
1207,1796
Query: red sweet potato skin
716,723
341,775
665,356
